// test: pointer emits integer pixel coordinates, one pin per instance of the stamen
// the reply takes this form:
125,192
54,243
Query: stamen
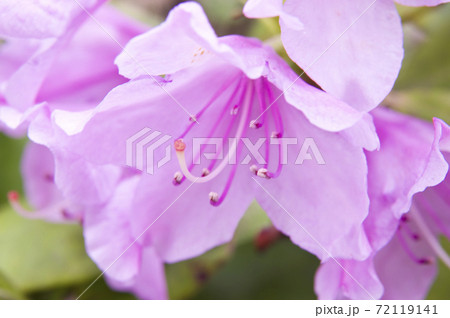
404,244
408,230
228,130
180,150
263,173
275,135
234,167
13,198
214,128
205,172
279,131
193,119
254,124
178,176
262,105
254,169
429,237
213,197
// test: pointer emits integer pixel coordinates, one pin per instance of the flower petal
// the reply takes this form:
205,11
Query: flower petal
150,282
183,223
107,232
409,160
353,50
316,195
401,276
40,19
348,279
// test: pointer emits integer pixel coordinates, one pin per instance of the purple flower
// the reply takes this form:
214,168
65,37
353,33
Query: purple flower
58,59
352,49
213,87
59,56
409,208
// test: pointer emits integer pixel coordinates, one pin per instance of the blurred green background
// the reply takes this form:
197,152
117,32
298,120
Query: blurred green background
39,260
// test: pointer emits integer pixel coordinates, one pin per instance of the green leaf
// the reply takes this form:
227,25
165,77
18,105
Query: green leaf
35,255
7,291
283,271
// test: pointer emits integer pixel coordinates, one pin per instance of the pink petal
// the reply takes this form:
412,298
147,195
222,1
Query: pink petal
353,50
401,276
317,195
348,279
40,19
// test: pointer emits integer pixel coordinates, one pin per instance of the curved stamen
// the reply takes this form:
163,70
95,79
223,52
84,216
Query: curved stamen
178,181
405,226
208,104
279,131
227,132
410,253
232,151
429,237
219,200
263,107
49,212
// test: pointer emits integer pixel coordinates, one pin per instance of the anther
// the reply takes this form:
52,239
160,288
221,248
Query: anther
263,173
178,176
205,172
255,124
193,119
254,169
213,197
425,261
234,110
276,135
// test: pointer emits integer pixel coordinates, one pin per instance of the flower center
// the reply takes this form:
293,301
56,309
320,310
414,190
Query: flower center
236,112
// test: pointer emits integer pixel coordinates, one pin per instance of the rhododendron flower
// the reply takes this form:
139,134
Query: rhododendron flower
409,209
226,87
52,70
352,49
67,70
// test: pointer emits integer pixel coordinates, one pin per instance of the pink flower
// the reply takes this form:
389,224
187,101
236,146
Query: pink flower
66,63
409,208
352,49
227,85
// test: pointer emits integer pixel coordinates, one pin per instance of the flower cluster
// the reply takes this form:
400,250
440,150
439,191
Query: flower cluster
368,196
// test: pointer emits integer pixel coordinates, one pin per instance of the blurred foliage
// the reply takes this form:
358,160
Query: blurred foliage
10,157
423,86
36,255
39,260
